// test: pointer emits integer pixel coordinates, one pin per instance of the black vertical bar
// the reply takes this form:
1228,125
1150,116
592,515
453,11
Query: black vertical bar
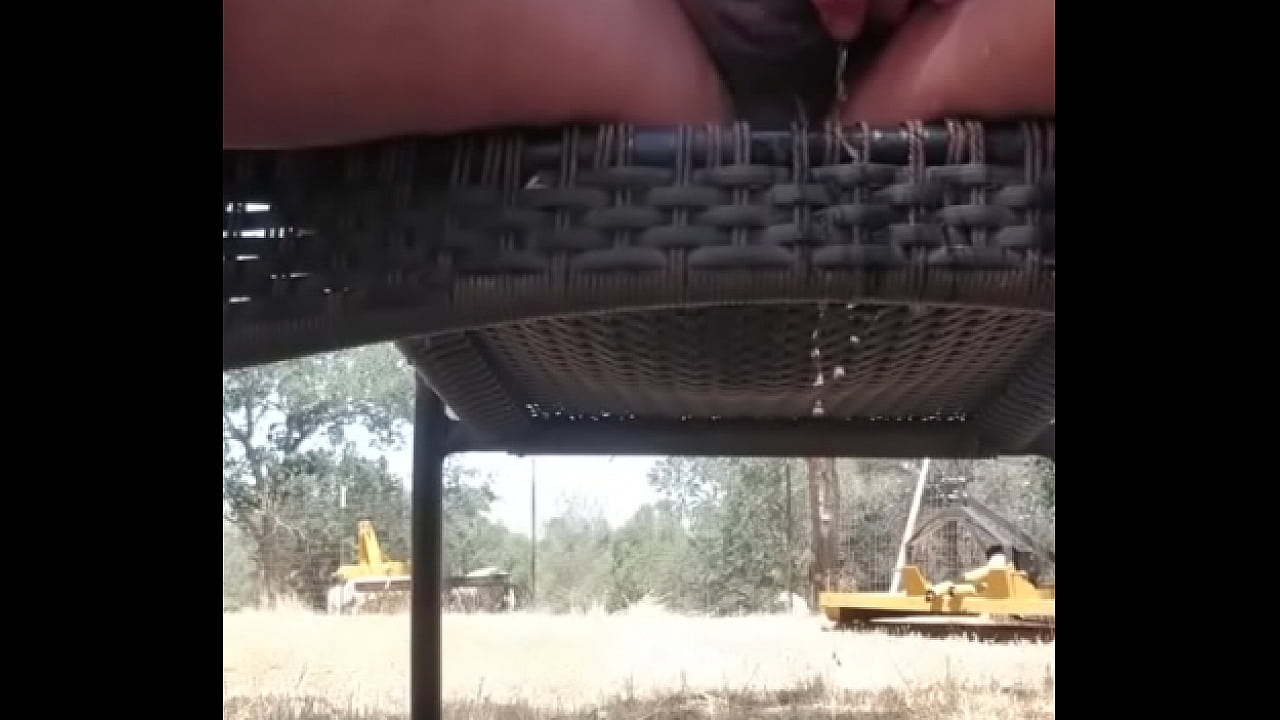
430,429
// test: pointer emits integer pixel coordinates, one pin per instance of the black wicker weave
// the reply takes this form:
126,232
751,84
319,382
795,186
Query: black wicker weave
700,290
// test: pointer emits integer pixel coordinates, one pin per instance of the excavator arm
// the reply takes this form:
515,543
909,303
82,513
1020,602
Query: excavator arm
368,549
370,560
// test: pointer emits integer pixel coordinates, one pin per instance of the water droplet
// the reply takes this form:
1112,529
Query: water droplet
851,306
855,339
815,353
817,409
818,381
838,372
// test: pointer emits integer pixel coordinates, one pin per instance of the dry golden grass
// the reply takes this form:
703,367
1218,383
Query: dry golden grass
295,665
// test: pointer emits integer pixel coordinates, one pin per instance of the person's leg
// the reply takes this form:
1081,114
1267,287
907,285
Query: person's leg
976,58
309,72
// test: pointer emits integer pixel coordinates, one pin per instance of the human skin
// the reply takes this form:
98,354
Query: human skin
845,19
308,72
976,58
316,72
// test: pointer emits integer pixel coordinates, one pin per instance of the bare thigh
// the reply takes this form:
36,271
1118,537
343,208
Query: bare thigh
308,72
978,58
314,72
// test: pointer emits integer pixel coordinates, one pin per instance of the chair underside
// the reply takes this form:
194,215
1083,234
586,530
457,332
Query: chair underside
709,290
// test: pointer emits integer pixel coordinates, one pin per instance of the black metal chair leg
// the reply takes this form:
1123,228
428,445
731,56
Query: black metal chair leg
430,430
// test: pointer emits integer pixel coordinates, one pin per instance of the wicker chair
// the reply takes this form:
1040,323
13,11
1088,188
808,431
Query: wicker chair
695,290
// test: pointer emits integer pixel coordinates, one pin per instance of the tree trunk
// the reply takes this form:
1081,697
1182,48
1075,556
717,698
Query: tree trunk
266,558
824,513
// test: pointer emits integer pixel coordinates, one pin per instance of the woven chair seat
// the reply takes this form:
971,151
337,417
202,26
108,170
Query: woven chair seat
690,290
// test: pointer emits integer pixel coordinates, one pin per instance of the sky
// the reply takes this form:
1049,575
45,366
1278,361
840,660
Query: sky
614,485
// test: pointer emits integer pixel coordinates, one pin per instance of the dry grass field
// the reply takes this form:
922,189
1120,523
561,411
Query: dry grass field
642,665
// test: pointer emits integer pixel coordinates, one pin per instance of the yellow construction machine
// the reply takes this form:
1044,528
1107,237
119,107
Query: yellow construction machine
997,601
374,583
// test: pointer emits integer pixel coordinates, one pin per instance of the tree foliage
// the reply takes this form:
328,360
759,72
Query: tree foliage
574,560
741,546
302,462
239,589
286,457
650,555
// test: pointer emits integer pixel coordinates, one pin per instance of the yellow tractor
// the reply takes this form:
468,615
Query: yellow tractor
997,601
374,583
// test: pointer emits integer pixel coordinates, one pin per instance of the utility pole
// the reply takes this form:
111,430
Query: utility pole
824,504
911,526
342,507
533,532
791,603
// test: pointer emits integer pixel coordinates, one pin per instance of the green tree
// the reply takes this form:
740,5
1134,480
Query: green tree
574,560
1043,484
744,539
735,511
471,539
239,588
322,530
509,551
650,555
285,428
466,498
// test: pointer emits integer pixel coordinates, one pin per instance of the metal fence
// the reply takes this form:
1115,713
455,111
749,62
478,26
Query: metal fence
965,507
